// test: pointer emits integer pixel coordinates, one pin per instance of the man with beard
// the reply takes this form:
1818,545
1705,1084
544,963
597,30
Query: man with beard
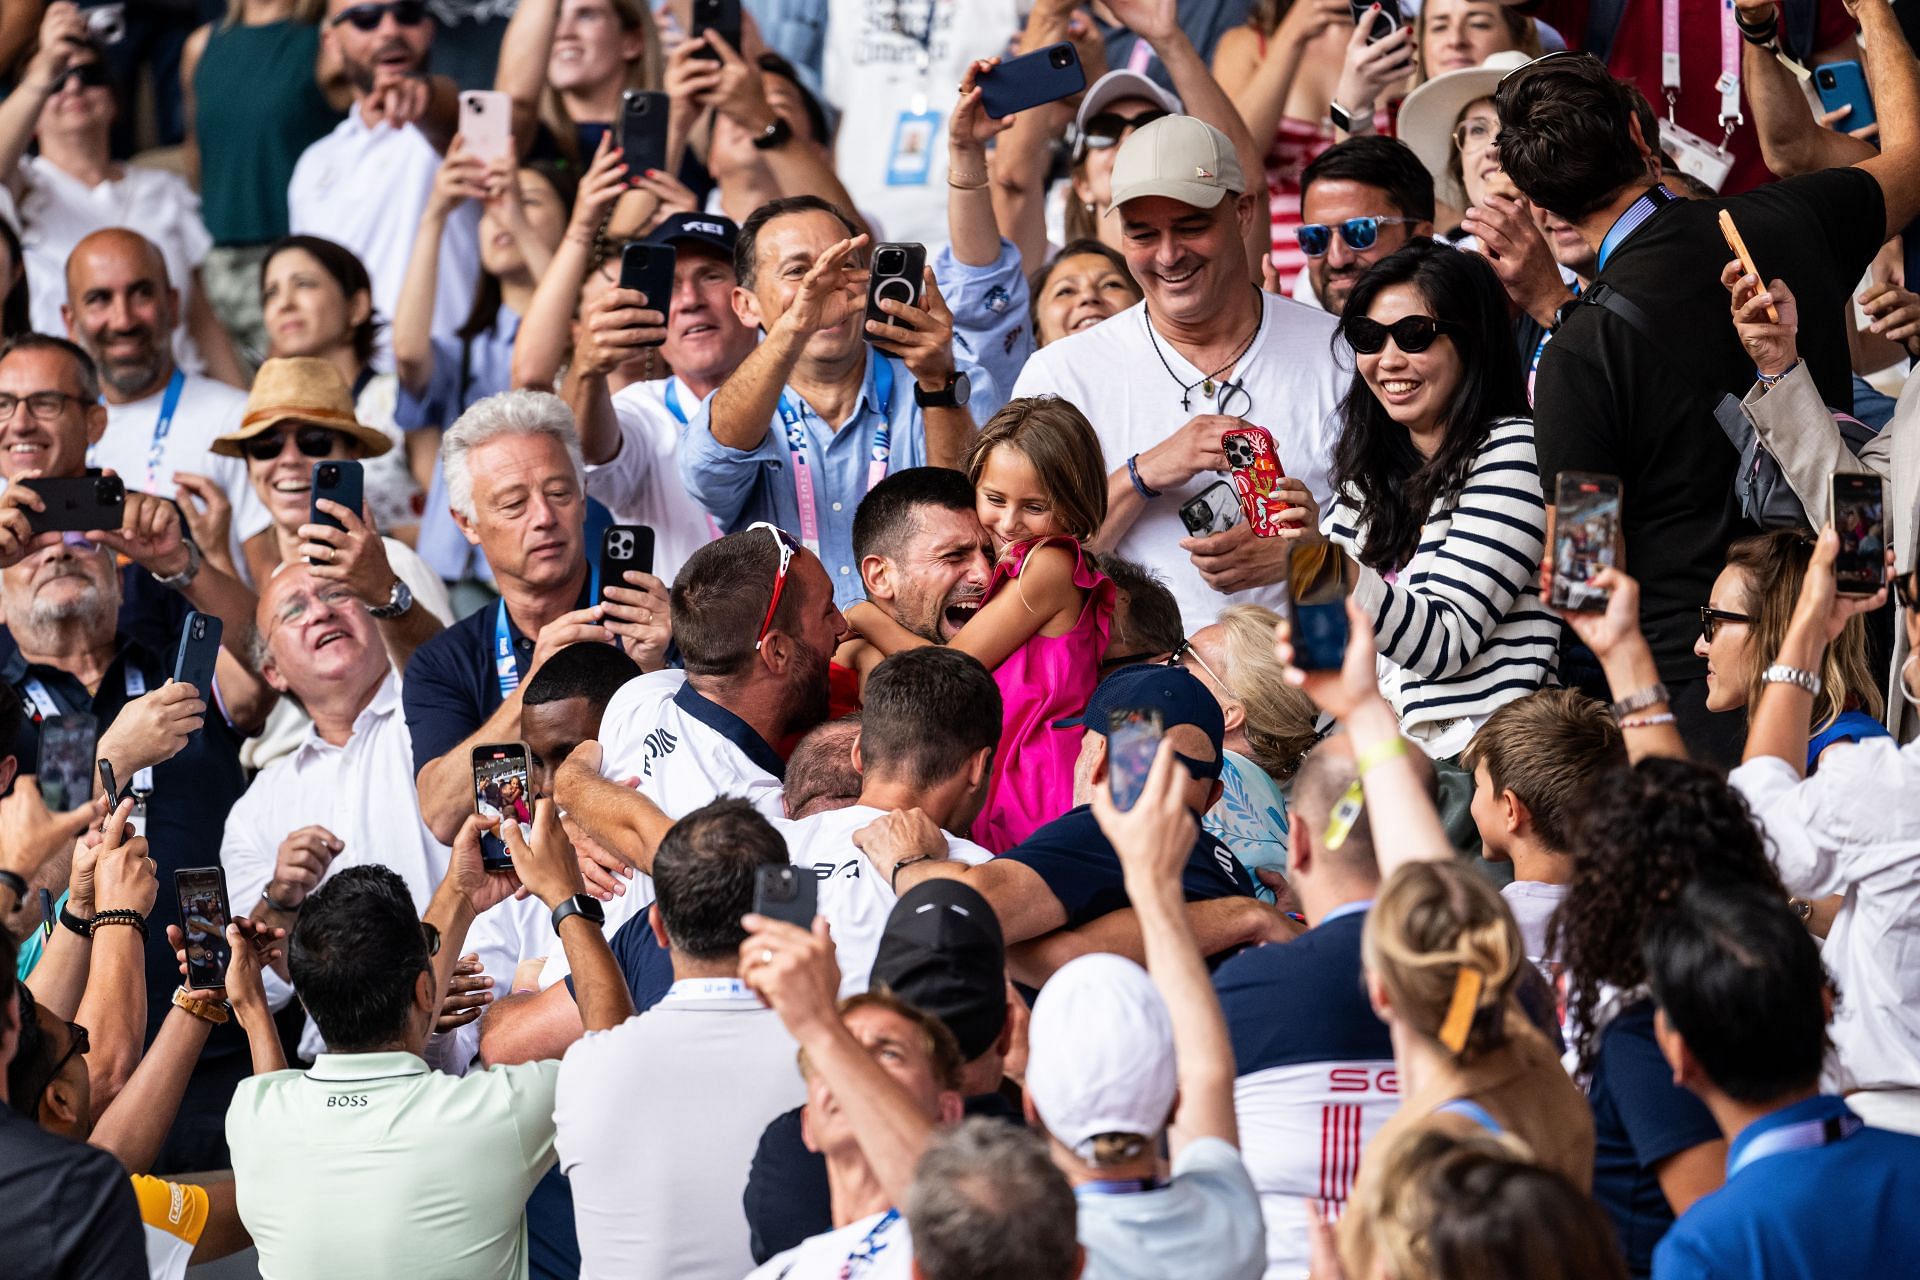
122,310
1359,201
924,559
365,185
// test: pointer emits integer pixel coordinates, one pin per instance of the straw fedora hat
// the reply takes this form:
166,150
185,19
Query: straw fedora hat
306,390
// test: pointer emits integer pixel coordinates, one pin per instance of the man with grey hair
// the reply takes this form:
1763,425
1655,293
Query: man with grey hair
987,1204
515,482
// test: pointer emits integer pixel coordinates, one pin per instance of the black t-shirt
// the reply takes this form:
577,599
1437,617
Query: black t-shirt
1081,869
1610,400
66,1209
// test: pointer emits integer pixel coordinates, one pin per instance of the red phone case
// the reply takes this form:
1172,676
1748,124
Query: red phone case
1255,465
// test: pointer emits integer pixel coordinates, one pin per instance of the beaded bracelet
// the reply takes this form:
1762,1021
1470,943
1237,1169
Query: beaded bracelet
119,915
1648,722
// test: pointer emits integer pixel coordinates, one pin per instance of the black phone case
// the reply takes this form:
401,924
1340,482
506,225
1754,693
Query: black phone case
1031,80
789,893
199,649
624,547
207,976
649,268
905,285
722,17
643,131
1856,572
340,481
76,504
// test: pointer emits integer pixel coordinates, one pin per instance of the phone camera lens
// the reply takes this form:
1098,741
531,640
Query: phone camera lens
1060,58
330,474
1826,80
889,262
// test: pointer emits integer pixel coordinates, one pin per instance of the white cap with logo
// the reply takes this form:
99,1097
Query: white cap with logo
1180,158
1100,1053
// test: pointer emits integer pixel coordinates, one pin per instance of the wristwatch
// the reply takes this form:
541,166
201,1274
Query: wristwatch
580,904
777,134
1342,120
182,580
1781,673
954,395
215,1012
399,600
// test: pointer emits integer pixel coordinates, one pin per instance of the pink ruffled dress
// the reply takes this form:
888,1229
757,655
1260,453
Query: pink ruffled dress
1046,679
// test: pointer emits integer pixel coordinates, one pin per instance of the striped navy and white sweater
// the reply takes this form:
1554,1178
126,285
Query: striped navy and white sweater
1461,627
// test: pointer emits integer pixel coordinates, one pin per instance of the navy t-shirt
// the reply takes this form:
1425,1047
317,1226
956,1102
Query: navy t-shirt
643,962
1081,869
1640,1117
1302,1001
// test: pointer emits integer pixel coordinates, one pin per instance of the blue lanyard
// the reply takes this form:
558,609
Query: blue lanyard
1796,1137
1117,1187
157,448
1637,212
870,1247
673,401
793,418
506,668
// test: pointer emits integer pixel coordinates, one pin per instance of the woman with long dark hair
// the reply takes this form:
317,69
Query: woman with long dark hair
1437,493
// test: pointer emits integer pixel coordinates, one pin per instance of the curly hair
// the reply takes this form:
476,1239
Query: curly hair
1647,833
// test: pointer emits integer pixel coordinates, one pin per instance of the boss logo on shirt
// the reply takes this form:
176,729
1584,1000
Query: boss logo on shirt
659,743
346,1100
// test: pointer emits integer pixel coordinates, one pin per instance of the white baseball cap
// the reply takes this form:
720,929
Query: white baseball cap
1100,1053
1178,157
1115,85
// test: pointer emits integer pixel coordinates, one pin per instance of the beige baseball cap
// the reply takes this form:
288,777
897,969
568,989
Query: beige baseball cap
1180,158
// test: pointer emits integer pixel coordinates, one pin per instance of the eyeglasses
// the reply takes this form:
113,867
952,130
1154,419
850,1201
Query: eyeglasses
1412,334
294,611
1472,135
1711,618
1109,128
433,938
1360,233
1185,650
43,406
77,1046
314,442
787,547
366,17
91,75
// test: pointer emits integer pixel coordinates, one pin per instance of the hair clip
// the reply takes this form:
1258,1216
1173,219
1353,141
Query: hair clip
1467,985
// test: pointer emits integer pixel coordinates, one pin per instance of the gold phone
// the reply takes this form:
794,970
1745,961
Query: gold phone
1739,247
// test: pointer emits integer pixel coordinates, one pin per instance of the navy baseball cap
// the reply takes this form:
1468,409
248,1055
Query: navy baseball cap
1174,692
710,229
943,953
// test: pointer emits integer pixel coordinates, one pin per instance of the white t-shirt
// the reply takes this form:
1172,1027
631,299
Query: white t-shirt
1533,904
687,751
366,187
854,898
881,1237
1113,374
1204,1225
893,90
708,1039
641,483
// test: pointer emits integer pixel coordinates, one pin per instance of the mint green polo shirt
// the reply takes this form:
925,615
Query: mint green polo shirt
374,1165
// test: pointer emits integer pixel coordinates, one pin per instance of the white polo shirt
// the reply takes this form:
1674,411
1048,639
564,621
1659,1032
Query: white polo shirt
363,792
854,898
641,483
372,1165
708,1040
366,187
687,751
876,1247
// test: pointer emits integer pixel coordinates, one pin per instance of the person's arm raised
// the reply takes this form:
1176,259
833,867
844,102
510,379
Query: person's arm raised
540,348
970,219
1791,140
546,864
1625,659
614,328
1895,76
459,178
1258,84
62,33
467,890
114,1009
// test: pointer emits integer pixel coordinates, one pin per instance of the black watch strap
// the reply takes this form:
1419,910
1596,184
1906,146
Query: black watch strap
74,922
777,134
580,904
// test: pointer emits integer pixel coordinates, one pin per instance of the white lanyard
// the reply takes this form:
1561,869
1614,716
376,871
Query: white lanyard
793,418
1796,1137
1729,82
45,706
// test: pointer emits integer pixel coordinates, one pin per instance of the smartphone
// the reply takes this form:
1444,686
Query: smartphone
787,893
1045,75
1317,606
108,788
642,131
1255,466
1133,736
77,503
898,273
624,547
66,746
1844,84
486,123
649,268
1385,22
204,914
199,648
503,789
1739,247
1586,539
342,482
1215,509
1859,517
722,17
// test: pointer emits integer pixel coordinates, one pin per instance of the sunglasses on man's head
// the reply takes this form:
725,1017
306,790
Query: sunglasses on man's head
1412,334
1360,233
366,17
314,442
1109,127
91,75
787,547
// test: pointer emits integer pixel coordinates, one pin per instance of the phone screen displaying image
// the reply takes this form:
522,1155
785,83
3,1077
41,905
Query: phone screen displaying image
1586,539
1215,509
503,789
1859,517
1133,736
1317,586
66,761
204,914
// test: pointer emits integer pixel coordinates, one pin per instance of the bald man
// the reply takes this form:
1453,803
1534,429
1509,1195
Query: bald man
122,310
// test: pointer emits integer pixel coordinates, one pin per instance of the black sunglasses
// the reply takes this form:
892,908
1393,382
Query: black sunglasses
1109,127
77,1046
366,17
314,442
1412,334
91,75
1711,618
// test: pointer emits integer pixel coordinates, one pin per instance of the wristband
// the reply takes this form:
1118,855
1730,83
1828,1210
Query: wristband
1140,486
893,877
281,907
1379,753
14,882
1651,696
119,915
73,922
1647,722
1768,379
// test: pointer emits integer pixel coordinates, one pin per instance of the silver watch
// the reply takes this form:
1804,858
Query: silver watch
399,600
1781,673
182,580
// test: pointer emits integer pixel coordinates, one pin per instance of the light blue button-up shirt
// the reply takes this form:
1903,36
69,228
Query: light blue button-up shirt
740,486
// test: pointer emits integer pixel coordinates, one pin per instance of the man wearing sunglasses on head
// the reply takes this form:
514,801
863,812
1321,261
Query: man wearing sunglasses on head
1359,201
365,185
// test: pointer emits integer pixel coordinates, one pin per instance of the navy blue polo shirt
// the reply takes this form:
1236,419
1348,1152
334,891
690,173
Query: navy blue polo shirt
1640,1117
1072,855
1840,1210
1304,1001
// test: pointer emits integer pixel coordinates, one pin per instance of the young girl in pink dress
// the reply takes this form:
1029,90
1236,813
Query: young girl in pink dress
1040,488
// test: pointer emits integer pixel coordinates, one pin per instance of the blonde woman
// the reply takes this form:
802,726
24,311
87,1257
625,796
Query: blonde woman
572,59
